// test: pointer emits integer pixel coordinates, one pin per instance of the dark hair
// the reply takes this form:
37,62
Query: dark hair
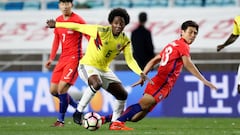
119,12
189,23
65,1
142,17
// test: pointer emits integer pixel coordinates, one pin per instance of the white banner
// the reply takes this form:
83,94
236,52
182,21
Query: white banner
26,30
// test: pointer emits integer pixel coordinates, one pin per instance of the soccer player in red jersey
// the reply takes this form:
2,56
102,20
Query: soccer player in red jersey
171,60
65,72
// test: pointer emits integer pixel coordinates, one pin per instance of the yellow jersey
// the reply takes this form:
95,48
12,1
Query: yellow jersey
103,46
236,26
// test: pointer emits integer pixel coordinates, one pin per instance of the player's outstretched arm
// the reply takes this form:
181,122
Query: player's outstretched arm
193,69
148,68
143,78
232,38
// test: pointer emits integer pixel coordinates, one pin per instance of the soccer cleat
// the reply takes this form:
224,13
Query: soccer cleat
106,119
117,125
58,124
103,120
78,117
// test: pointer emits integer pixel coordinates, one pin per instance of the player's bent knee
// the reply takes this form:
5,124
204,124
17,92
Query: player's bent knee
54,93
96,86
95,83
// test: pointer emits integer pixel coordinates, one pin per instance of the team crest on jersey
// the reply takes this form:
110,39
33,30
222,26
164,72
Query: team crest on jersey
120,47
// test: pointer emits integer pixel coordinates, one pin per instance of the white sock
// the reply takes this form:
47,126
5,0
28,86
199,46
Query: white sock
118,108
86,98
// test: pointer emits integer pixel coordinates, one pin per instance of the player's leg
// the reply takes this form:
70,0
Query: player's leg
113,85
68,77
117,90
63,100
56,76
54,89
238,79
134,113
147,103
152,96
139,110
54,92
95,83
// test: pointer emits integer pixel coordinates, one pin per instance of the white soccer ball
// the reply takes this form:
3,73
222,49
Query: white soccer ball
92,121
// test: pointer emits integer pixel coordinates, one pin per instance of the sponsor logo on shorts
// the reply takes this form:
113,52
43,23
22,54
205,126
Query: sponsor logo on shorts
160,97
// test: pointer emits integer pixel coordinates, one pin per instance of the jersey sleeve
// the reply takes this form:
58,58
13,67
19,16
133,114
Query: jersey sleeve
236,23
82,21
55,46
131,62
88,29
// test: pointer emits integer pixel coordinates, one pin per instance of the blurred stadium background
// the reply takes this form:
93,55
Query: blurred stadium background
25,45
53,4
20,61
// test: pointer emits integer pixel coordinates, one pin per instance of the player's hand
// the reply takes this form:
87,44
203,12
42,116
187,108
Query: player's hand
142,79
51,23
220,47
48,64
210,85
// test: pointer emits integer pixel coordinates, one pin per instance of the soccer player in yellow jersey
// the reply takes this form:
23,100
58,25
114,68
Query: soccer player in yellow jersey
231,39
106,42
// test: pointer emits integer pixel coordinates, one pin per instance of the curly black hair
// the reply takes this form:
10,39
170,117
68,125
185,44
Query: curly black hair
119,12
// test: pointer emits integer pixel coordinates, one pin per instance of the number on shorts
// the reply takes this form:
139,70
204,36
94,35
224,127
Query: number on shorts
69,73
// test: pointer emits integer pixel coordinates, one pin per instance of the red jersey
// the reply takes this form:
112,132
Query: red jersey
171,60
70,40
169,69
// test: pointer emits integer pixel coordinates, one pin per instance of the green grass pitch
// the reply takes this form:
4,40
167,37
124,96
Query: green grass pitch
148,126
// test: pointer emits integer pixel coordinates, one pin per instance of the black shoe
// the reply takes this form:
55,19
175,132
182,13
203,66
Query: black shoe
78,117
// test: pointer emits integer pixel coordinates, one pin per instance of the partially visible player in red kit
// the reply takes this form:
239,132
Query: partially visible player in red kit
65,72
171,59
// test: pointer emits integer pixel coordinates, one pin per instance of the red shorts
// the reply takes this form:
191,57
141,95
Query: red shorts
65,71
159,90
